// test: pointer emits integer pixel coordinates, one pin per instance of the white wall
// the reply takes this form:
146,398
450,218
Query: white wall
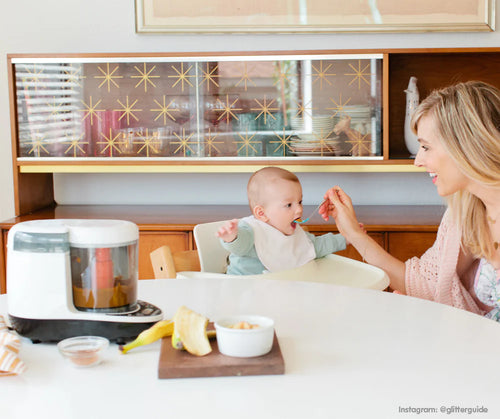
82,26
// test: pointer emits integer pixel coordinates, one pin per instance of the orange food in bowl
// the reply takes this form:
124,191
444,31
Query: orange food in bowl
244,335
83,351
84,357
244,325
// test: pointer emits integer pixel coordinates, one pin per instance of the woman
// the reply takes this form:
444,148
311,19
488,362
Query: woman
458,130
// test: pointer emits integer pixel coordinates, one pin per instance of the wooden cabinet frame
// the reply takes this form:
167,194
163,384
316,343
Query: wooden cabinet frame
434,68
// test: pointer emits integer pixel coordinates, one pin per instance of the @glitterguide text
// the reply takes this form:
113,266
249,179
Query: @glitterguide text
447,410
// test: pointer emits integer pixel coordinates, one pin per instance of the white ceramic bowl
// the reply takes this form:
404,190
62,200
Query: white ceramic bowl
83,351
245,343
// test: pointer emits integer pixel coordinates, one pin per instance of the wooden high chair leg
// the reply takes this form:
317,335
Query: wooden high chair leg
163,263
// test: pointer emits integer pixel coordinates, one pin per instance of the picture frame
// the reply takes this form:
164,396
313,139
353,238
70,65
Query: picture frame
313,16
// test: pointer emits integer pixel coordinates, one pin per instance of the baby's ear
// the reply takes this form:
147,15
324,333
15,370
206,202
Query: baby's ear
259,214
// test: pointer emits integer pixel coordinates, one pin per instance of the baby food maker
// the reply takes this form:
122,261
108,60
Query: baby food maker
68,277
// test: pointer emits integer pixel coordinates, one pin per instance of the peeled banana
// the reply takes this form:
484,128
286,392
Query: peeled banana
157,331
190,332
177,342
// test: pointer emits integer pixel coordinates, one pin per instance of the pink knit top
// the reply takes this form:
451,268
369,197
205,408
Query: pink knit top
434,276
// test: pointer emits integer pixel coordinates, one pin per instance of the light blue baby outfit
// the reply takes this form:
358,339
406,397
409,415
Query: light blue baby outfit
243,259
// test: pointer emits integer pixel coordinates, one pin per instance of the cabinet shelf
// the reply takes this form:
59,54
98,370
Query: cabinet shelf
165,166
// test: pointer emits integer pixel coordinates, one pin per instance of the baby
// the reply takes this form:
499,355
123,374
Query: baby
270,239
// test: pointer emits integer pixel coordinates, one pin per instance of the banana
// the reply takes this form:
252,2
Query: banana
190,332
157,331
177,342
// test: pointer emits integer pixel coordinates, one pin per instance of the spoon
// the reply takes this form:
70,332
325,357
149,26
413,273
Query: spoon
302,221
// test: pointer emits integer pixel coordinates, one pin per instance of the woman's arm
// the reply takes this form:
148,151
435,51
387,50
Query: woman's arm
339,206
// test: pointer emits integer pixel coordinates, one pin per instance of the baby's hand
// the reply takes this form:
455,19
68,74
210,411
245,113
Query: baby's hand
229,231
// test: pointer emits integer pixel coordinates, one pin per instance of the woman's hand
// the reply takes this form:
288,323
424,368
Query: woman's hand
229,231
339,206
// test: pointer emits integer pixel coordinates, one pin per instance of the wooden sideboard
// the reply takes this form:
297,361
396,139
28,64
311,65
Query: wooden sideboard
403,230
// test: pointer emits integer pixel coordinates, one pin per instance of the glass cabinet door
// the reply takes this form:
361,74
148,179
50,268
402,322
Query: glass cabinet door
200,108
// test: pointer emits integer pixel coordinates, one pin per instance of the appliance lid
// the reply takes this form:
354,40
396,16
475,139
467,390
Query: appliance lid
79,232
101,233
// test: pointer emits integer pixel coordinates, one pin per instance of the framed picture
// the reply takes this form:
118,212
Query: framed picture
313,16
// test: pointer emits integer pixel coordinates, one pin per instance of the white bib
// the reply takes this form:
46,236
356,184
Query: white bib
278,251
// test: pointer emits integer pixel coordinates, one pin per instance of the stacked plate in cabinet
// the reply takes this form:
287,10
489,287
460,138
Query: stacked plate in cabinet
360,117
314,136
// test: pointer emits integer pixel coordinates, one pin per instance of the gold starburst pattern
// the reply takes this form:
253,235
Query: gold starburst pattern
108,76
128,110
111,142
182,76
303,110
75,144
74,77
34,76
56,108
325,142
91,110
359,74
245,78
227,109
322,74
145,76
209,76
210,142
37,142
283,76
149,143
282,141
339,106
265,109
361,145
247,143
184,143
164,110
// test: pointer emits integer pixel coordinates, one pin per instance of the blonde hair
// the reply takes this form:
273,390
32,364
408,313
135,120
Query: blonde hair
261,179
467,117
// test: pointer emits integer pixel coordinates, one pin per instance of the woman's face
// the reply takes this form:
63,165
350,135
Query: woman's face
444,172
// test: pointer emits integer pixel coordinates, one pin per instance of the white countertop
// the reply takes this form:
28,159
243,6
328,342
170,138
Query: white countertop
349,353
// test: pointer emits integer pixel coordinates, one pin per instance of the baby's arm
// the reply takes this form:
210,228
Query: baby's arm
327,243
229,231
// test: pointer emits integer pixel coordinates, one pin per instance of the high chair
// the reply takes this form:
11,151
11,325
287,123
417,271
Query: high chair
213,257
331,269
166,263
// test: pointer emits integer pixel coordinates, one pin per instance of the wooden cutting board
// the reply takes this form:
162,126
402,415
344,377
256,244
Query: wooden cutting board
181,364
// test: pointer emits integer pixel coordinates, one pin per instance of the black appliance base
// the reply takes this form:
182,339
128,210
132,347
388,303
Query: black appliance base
39,330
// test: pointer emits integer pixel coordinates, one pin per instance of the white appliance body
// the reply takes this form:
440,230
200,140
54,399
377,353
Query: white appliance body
40,288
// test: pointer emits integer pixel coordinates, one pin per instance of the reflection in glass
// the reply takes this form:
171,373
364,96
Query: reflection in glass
318,106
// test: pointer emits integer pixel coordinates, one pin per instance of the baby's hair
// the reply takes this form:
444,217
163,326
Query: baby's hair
258,182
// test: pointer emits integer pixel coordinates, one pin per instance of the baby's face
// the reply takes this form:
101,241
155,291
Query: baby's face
284,205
